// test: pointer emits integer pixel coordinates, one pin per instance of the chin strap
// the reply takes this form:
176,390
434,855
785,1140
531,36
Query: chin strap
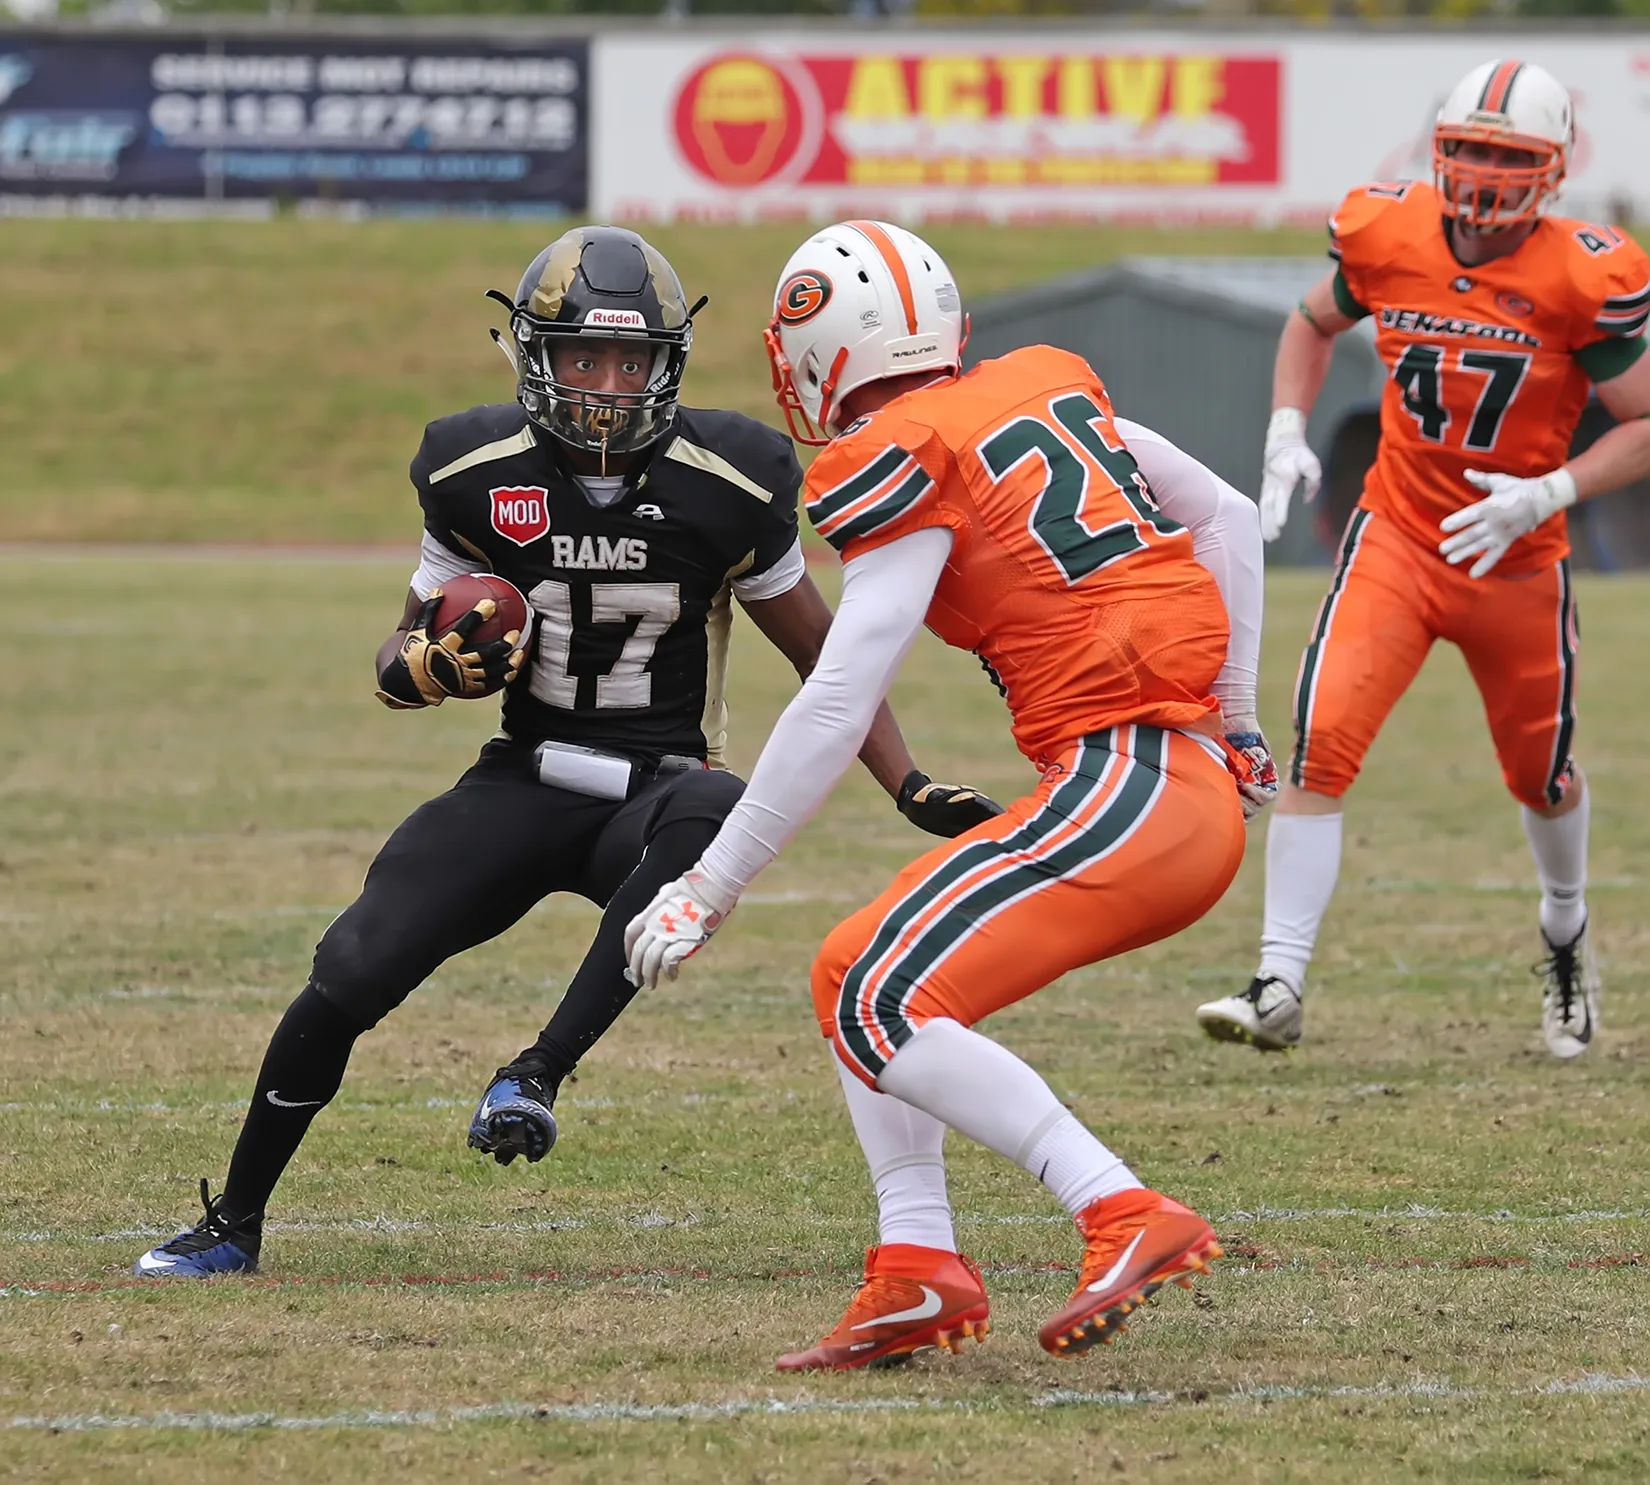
502,341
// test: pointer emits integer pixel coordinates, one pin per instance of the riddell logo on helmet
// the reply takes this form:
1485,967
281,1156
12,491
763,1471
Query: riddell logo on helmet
520,513
629,319
802,296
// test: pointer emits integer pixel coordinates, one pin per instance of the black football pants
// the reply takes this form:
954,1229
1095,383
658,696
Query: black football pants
460,870
468,864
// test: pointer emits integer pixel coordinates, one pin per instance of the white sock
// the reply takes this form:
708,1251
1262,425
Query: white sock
1076,1167
1560,850
903,1147
984,1091
1303,858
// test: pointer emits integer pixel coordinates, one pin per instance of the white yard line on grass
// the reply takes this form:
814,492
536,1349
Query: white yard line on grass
395,1225
1591,1384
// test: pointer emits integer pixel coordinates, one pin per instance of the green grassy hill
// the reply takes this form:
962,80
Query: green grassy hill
228,381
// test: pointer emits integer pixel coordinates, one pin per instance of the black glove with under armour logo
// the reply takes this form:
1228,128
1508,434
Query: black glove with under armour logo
943,809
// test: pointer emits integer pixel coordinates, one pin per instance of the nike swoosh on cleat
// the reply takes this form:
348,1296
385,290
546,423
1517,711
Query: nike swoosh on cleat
281,1103
1110,1276
931,1306
150,1264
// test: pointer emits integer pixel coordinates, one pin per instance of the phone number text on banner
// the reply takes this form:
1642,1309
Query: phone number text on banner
447,122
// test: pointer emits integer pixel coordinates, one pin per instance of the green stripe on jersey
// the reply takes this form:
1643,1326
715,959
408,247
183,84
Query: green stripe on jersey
1605,360
830,502
892,506
1346,301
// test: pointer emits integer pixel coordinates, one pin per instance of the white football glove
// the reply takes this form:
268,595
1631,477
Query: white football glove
1515,508
1287,462
675,926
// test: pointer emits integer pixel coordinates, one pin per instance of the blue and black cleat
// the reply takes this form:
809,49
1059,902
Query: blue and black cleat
218,1244
513,1117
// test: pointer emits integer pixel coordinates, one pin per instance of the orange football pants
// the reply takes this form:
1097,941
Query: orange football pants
1132,835
1390,599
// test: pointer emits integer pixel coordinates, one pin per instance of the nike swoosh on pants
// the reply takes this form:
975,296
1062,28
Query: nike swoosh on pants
281,1103
930,1307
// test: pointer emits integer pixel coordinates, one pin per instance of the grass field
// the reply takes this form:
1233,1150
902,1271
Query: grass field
263,381
1438,1234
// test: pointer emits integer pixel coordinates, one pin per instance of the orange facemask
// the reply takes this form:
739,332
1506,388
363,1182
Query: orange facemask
1494,196
803,428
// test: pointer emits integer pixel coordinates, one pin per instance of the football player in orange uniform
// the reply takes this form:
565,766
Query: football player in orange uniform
1494,317
1013,513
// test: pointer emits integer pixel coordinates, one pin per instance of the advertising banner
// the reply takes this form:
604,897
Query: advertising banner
352,119
948,125
1042,125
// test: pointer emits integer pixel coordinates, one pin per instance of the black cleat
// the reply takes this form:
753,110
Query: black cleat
513,1117
218,1244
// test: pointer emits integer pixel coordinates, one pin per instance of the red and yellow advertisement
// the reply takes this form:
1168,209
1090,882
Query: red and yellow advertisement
965,119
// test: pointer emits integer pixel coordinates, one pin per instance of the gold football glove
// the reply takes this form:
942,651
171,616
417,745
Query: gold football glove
427,669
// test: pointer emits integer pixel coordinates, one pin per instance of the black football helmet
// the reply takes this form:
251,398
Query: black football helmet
612,284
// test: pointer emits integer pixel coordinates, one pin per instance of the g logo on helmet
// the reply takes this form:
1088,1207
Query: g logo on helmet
802,296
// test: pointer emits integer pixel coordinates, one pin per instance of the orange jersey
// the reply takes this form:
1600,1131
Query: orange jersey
1078,593
1490,364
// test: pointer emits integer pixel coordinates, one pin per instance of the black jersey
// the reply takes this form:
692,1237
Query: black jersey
632,600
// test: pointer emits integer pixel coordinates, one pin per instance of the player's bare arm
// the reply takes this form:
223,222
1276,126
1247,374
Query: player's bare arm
1307,344
1304,352
796,623
1621,455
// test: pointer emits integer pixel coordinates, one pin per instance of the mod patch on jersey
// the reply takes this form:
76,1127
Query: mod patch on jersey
802,296
520,512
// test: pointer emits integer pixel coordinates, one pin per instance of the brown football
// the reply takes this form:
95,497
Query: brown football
461,594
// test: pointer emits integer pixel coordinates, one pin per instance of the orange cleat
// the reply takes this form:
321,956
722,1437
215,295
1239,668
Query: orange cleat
912,1298
1138,1241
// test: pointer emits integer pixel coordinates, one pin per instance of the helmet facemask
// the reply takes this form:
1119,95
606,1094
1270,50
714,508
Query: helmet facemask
1494,197
598,287
601,422
815,428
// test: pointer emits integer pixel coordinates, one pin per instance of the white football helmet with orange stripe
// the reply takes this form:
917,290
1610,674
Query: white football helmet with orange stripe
858,302
1515,106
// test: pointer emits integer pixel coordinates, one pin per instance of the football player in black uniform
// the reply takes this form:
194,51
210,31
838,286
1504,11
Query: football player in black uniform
628,521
